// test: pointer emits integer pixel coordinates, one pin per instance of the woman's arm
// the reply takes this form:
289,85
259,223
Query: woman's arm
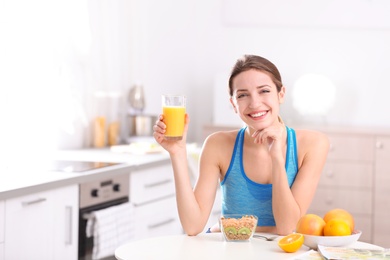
193,207
290,204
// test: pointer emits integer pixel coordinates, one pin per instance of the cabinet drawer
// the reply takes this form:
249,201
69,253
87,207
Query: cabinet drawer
363,223
382,149
382,193
2,224
342,174
151,184
33,216
382,175
354,148
355,201
381,229
382,189
157,218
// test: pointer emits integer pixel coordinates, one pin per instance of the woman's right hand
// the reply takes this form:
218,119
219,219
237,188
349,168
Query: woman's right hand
172,146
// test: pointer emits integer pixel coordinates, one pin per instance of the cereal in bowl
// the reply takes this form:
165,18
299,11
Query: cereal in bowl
238,228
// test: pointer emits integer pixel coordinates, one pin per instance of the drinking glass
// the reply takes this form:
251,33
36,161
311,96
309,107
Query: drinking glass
174,109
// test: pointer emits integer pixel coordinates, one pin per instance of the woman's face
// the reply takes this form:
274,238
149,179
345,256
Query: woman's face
256,99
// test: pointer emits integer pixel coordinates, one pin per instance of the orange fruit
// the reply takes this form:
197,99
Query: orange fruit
291,243
311,224
341,214
337,227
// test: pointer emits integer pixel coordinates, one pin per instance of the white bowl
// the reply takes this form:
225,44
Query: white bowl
314,241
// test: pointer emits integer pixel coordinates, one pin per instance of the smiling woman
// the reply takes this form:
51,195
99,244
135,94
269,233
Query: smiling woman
265,169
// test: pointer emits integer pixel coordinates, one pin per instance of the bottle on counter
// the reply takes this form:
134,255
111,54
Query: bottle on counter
99,130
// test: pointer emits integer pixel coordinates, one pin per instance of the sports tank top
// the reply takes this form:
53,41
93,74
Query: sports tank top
240,195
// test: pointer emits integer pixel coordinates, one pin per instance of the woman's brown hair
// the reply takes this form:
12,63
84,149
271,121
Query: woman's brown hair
248,62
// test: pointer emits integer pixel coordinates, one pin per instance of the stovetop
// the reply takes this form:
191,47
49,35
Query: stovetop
77,166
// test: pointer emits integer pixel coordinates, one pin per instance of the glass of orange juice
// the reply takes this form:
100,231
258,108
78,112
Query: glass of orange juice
174,109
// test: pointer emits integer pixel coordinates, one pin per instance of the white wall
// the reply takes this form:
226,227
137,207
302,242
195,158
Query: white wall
178,46
184,45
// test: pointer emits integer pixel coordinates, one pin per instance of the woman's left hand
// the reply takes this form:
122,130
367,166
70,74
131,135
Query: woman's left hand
274,137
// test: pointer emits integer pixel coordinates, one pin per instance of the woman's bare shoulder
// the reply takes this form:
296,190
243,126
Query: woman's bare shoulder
218,148
221,140
222,135
313,146
312,139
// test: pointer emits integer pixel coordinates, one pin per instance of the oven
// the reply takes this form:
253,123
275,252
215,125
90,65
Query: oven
95,196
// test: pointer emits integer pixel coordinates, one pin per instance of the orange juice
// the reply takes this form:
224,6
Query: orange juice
174,117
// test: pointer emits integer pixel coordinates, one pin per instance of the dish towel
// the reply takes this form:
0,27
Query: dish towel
110,228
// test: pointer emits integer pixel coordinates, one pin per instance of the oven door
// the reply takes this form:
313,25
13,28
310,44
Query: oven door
86,243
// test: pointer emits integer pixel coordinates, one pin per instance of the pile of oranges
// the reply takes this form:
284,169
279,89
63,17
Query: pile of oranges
336,222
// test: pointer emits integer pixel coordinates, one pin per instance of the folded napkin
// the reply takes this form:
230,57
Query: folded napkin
110,228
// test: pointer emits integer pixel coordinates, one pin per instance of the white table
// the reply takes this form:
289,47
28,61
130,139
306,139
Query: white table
208,246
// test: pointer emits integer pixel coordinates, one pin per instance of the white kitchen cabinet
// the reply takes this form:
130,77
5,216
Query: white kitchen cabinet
65,231
382,192
29,225
42,225
152,192
151,183
157,218
346,180
2,225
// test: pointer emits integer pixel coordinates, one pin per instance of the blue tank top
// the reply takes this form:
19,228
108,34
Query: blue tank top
240,195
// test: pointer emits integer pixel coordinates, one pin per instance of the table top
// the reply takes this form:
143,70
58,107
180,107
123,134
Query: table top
208,246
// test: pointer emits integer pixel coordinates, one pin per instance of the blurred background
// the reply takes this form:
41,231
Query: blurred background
65,65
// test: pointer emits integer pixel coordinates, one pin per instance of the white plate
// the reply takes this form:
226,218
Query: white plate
314,241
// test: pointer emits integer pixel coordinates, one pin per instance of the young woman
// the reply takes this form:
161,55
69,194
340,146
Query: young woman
265,168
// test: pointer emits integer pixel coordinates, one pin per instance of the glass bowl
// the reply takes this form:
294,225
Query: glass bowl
238,227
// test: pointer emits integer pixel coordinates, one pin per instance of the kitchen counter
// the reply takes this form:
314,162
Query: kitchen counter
30,177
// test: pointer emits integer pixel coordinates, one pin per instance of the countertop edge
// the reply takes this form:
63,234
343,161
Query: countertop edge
76,178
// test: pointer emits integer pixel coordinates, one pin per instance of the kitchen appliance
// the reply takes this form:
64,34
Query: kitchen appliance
138,123
136,98
98,195
76,166
141,125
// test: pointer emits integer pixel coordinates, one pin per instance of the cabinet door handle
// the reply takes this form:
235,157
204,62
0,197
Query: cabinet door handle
329,200
154,184
329,174
162,223
68,225
27,203
379,145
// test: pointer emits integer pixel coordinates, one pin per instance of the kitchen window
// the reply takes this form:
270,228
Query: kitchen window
55,54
